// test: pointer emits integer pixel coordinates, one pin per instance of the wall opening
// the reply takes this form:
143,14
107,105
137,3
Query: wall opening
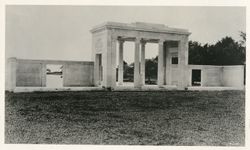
99,68
128,63
54,76
196,77
174,60
151,63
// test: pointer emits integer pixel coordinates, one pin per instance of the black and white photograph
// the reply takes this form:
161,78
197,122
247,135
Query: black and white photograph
125,75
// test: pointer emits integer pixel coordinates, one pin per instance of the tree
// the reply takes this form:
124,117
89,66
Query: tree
243,44
150,70
224,52
229,52
196,53
243,36
125,68
129,72
151,66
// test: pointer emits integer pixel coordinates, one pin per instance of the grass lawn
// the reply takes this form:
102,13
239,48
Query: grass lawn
141,118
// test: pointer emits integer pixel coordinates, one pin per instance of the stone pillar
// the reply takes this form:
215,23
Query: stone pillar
113,62
183,63
109,61
137,64
11,74
97,70
160,79
164,63
120,67
43,75
168,65
142,67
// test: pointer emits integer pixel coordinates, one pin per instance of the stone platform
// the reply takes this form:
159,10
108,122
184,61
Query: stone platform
122,88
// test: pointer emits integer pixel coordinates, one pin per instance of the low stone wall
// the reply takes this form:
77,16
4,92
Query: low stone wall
78,74
233,76
32,73
225,76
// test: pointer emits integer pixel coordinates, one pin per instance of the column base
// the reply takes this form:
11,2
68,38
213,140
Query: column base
161,86
137,87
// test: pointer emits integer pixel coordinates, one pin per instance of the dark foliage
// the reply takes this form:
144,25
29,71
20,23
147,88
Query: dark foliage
224,52
151,69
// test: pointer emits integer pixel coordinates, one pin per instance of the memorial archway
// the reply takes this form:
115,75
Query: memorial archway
106,36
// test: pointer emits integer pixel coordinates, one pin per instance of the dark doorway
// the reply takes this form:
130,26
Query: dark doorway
99,68
196,77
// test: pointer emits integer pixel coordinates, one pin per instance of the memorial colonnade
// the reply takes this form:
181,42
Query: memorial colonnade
106,36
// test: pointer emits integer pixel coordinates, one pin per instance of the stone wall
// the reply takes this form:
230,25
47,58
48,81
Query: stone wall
29,73
233,76
225,76
78,74
174,75
32,73
211,76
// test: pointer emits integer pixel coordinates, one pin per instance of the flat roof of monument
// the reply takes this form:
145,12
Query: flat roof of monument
140,26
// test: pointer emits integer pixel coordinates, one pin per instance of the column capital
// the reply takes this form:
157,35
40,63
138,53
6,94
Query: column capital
137,40
121,41
113,39
143,42
161,41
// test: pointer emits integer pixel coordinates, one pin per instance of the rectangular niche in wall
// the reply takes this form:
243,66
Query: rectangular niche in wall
54,76
196,77
174,60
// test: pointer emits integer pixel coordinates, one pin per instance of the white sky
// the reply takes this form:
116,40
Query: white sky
62,32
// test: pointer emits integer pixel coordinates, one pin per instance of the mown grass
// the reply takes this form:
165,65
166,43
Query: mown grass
140,118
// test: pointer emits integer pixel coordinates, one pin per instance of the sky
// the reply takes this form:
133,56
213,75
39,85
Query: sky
63,32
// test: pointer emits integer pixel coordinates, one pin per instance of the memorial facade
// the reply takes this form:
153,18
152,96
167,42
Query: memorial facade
108,34
174,72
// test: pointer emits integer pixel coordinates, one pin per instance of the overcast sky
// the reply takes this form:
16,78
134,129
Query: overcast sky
62,32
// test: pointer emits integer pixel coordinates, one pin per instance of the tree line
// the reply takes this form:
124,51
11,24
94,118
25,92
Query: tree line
225,52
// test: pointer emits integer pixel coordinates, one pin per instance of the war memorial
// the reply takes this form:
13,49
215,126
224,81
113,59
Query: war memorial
174,72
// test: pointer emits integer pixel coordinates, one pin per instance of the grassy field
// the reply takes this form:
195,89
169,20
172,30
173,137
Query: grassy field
141,118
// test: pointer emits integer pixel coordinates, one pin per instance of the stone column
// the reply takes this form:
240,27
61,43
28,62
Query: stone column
142,67
160,79
120,67
137,64
97,70
183,63
109,61
168,66
113,62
